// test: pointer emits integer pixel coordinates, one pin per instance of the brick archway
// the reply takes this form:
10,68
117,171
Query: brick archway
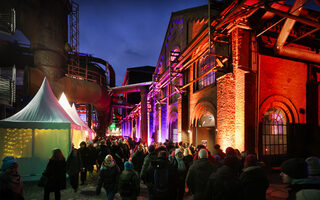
281,102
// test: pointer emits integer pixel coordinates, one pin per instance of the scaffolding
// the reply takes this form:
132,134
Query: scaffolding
74,38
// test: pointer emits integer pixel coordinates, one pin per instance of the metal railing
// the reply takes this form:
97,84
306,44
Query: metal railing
86,74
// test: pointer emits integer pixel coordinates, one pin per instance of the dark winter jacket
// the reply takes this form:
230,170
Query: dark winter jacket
74,164
11,186
108,178
85,157
223,185
102,151
302,184
168,174
93,154
255,183
56,173
117,155
137,160
198,176
188,160
129,184
146,167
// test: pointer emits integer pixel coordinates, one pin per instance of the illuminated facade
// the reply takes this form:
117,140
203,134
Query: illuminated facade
253,84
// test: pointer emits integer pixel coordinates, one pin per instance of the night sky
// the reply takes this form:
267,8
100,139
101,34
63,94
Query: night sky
127,33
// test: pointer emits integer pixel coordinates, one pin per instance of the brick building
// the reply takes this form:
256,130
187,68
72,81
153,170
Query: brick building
253,84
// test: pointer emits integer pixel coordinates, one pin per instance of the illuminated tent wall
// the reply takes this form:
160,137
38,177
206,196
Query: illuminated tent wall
31,134
86,132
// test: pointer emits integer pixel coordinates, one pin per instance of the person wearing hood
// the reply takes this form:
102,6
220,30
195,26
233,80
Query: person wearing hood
181,165
108,177
11,185
294,172
129,182
198,174
253,179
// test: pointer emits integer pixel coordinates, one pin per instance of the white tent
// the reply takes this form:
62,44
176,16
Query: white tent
31,134
87,133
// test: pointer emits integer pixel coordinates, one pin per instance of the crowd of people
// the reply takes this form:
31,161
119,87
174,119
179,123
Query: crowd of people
169,170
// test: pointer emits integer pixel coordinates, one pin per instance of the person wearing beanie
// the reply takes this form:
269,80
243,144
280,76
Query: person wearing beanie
108,177
129,183
313,166
198,174
253,178
146,169
11,185
294,172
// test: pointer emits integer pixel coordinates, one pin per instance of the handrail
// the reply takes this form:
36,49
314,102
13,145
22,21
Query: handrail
86,74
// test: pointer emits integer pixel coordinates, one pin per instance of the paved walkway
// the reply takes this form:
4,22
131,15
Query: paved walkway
276,191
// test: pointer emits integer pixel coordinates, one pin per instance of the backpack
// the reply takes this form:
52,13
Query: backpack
127,187
161,180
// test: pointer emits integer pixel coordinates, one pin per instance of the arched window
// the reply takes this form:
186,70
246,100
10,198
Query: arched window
274,133
205,64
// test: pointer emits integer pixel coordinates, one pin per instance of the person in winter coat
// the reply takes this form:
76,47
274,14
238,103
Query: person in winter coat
129,183
146,169
138,158
187,158
117,154
102,151
224,185
108,177
295,173
86,162
198,174
11,185
56,174
164,176
181,166
92,157
253,179
74,165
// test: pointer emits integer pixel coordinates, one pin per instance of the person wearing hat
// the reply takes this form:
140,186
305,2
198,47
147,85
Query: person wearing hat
129,183
11,185
253,179
294,172
108,177
199,173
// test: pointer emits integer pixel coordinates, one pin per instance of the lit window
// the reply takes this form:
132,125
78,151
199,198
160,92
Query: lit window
205,64
274,132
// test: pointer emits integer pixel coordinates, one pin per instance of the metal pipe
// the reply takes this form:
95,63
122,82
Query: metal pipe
286,29
284,14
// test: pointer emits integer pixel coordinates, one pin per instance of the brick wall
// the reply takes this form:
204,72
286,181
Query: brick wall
226,110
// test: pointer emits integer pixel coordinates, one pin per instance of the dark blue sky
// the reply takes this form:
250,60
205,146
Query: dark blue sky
127,33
